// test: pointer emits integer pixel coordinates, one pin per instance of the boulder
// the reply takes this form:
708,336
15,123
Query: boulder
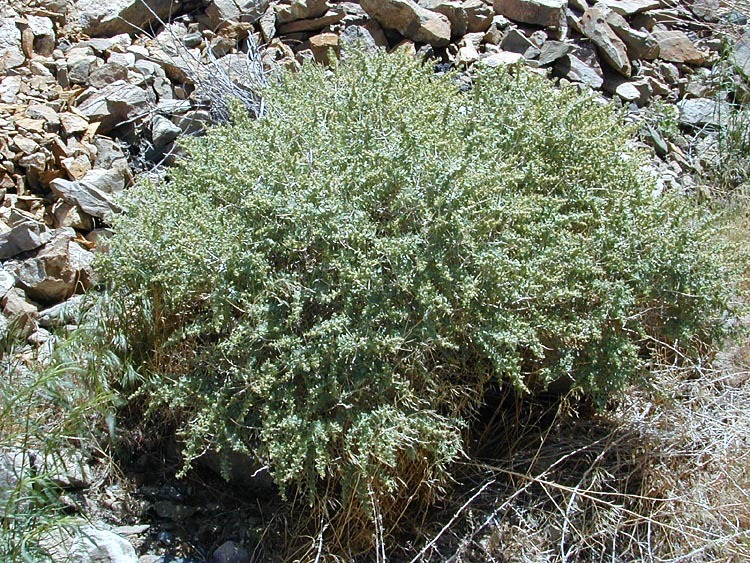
640,44
595,27
636,91
17,306
368,36
56,271
220,12
698,112
410,20
292,10
66,313
331,17
551,51
546,13
451,9
105,19
89,197
324,47
740,55
230,552
23,237
632,7
676,47
576,70
114,104
478,16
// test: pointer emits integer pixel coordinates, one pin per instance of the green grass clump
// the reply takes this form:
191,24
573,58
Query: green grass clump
333,287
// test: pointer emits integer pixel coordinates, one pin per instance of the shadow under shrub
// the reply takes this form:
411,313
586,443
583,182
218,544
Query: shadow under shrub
331,288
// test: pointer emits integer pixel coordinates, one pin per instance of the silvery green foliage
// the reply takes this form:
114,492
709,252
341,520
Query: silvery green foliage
333,286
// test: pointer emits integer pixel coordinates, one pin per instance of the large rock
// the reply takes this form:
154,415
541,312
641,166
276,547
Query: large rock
410,20
676,47
451,9
613,50
478,16
740,56
113,104
220,12
23,237
60,268
97,18
547,13
632,7
292,10
640,44
576,70
88,545
698,112
89,197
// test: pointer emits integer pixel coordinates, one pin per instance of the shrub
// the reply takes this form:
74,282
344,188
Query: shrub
333,287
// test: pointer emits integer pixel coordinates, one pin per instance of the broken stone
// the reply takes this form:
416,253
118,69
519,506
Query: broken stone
59,268
17,306
410,20
676,47
114,17
551,51
325,46
576,70
66,313
640,44
7,281
67,215
478,16
329,18
613,50
163,131
23,237
107,74
292,10
87,196
502,58
221,12
368,36
10,86
72,123
516,42
113,104
76,167
451,9
630,91
740,55
632,7
697,112
546,13
43,32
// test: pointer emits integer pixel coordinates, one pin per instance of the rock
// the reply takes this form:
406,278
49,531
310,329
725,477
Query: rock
97,18
630,91
467,54
325,47
502,58
76,167
697,112
640,44
7,281
163,131
551,51
410,20
17,306
67,215
13,465
740,55
72,123
632,7
10,86
113,104
451,9
706,10
516,42
676,47
576,70
66,313
595,27
100,546
292,10
546,13
43,34
23,237
230,552
331,17
87,196
478,16
67,470
368,37
220,12
56,271
107,74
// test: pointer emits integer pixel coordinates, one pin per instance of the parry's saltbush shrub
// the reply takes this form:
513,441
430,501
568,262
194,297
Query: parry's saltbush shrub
332,287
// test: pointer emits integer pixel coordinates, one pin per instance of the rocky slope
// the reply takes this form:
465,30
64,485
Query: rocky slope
94,93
